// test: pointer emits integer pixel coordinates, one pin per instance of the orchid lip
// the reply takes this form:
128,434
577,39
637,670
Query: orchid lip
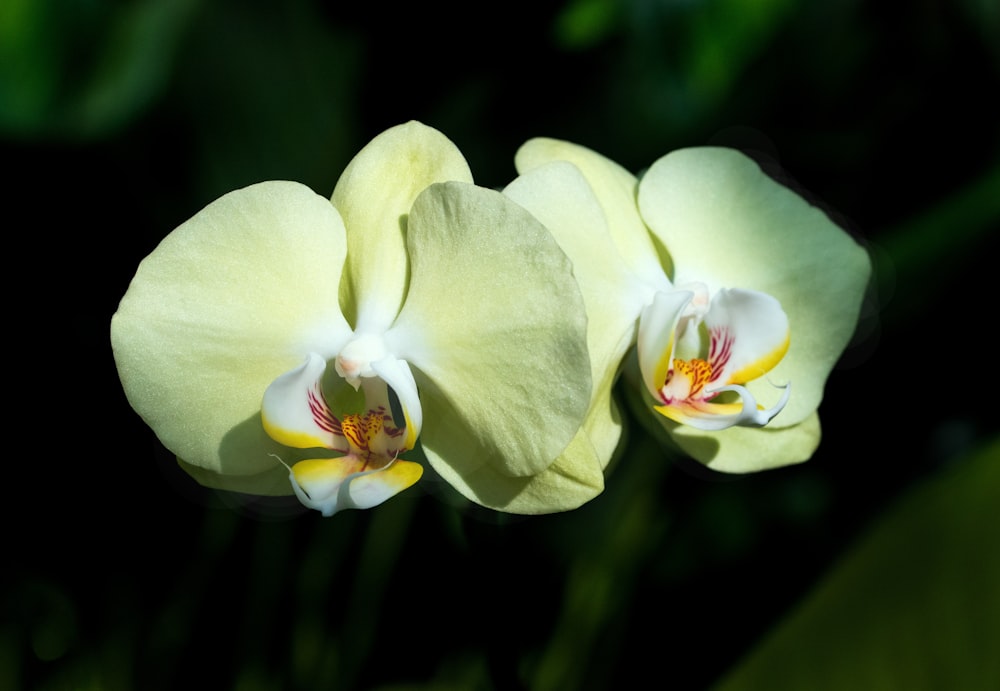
297,412
329,485
746,334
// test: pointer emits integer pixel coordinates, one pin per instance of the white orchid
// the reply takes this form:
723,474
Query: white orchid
278,330
738,295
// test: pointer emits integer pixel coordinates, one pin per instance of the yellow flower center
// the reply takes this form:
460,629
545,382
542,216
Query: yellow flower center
686,380
370,439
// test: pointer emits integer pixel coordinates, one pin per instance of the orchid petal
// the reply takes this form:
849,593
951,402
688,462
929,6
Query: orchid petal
495,329
571,480
728,224
603,424
329,485
616,189
231,299
374,195
557,195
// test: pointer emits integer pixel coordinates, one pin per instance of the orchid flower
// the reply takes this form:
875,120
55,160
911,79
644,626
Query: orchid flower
279,343
737,295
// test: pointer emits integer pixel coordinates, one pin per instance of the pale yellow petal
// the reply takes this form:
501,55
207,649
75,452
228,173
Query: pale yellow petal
374,195
557,194
616,190
573,479
230,300
494,327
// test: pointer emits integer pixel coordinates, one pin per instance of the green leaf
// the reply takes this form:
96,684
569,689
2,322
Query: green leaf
915,605
85,70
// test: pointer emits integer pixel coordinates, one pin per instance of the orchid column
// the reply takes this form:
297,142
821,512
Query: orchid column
278,330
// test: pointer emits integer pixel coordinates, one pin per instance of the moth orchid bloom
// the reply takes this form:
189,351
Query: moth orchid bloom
694,348
737,294
279,343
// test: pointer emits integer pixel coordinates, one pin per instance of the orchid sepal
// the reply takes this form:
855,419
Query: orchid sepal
375,193
615,189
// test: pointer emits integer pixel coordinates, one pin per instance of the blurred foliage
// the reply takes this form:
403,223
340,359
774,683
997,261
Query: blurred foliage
84,69
913,606
118,120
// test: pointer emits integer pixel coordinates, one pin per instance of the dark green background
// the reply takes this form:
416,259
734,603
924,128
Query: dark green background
118,121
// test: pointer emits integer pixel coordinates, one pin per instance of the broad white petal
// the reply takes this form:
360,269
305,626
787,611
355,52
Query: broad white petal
728,224
374,195
227,302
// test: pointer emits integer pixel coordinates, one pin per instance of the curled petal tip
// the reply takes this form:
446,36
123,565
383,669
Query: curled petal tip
712,417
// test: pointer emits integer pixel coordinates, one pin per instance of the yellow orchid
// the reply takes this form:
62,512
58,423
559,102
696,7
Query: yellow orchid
277,342
738,295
